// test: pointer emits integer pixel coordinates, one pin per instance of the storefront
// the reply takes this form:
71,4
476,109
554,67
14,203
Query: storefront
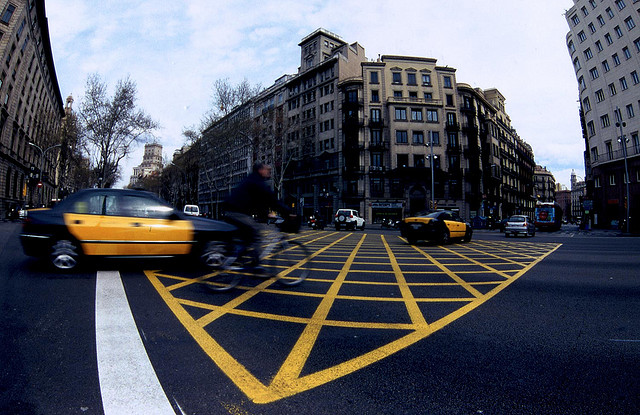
381,211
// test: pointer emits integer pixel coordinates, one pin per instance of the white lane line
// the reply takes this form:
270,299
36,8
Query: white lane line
128,383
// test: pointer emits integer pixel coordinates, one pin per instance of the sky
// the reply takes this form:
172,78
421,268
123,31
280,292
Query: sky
176,50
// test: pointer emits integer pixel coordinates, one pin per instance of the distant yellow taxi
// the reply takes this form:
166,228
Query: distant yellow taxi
442,227
119,223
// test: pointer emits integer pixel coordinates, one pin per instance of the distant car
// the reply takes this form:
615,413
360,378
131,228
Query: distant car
442,227
191,210
348,219
120,223
519,224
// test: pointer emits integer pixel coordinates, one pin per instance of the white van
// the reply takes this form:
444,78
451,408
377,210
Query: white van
192,210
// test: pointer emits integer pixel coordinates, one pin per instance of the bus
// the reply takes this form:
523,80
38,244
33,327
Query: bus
548,216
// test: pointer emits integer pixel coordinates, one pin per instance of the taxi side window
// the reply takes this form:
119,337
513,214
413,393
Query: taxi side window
111,206
141,207
91,205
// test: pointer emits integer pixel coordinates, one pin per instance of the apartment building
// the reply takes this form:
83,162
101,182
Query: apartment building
604,45
31,107
373,135
544,185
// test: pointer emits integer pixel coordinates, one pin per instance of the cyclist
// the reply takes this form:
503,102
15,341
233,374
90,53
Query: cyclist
253,198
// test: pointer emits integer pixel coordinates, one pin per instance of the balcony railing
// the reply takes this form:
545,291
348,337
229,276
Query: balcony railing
615,155
410,100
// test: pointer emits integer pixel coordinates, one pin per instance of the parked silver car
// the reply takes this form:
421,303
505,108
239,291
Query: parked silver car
519,224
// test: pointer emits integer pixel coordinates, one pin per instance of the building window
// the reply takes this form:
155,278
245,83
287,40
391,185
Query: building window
451,118
594,154
594,73
630,23
591,128
435,138
596,181
426,79
401,114
375,96
571,47
418,160
585,13
592,3
608,38
575,19
447,82
599,46
401,137
586,104
609,12
635,77
599,95
601,20
8,12
375,114
582,36
418,137
592,28
604,121
620,3
637,43
449,100
605,66
397,94
618,31
402,160
587,54
616,59
630,112
416,114
376,137
396,78
623,83
612,179
612,89
428,96
576,64
411,79
581,82
374,77
626,52
432,115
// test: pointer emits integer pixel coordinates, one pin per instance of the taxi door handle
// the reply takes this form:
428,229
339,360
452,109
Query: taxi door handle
136,224
77,222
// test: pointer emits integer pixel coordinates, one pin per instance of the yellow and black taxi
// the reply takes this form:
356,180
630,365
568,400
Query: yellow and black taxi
120,223
441,226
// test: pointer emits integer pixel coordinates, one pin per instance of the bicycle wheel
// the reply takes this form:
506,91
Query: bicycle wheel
289,262
223,280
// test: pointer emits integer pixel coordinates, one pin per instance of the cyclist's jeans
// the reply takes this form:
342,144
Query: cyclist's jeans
248,231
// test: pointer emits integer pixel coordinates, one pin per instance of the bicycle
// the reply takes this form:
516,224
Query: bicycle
287,261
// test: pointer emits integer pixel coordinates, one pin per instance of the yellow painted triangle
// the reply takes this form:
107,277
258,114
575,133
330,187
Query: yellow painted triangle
289,380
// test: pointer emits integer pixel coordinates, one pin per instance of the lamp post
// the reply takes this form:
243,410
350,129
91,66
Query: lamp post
623,142
42,155
431,202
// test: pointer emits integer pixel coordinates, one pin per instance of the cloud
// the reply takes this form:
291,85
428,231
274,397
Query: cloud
176,50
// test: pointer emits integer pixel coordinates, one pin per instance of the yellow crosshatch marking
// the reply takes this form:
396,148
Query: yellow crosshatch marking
358,283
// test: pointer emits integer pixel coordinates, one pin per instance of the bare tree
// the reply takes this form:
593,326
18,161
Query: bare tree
111,126
227,97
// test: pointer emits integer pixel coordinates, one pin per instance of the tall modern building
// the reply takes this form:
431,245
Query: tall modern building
388,137
604,44
31,107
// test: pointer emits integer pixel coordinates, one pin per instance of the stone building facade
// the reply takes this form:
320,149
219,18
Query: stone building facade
31,107
372,135
604,45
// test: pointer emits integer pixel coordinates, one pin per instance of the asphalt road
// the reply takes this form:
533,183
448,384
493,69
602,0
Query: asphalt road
542,325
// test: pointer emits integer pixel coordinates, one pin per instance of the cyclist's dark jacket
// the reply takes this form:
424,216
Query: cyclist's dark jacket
253,197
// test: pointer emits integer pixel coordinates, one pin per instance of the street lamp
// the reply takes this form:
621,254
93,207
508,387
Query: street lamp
42,155
623,141
432,201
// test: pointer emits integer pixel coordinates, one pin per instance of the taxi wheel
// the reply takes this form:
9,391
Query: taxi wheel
444,237
64,255
467,235
213,254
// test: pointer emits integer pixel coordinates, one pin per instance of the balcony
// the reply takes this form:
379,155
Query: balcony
408,100
379,145
452,126
377,169
614,155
